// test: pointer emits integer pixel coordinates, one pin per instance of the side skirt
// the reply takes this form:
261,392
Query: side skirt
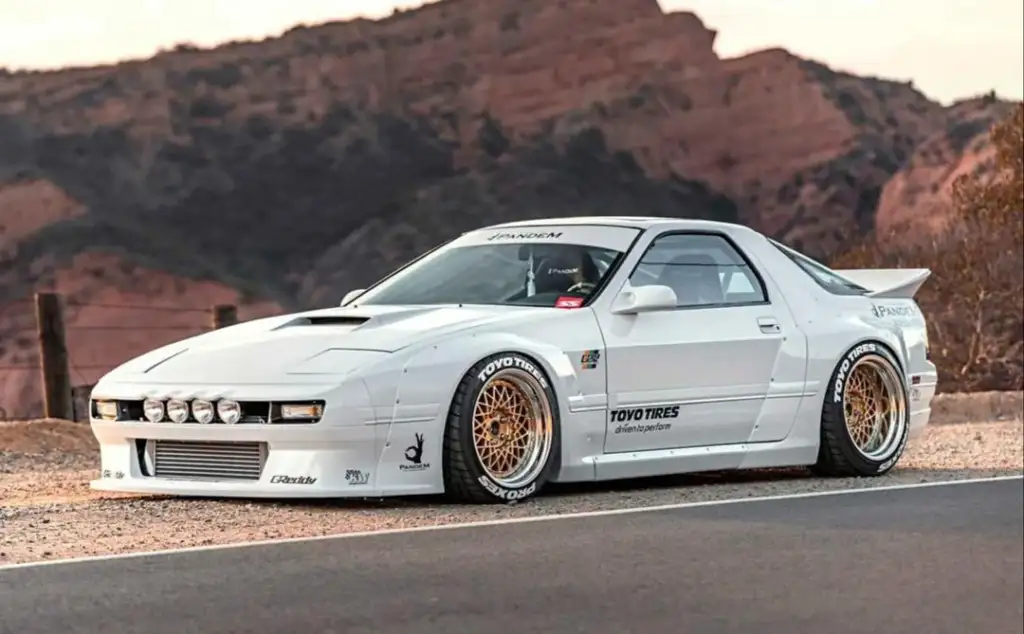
786,453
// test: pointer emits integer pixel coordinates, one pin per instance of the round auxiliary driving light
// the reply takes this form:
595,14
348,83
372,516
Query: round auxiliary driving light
229,411
153,410
177,410
202,411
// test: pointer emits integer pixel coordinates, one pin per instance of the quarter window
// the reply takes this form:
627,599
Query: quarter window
703,270
824,276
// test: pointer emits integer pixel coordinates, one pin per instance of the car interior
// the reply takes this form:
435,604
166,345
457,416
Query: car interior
699,278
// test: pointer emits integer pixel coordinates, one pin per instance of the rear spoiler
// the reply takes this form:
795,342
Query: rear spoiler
888,283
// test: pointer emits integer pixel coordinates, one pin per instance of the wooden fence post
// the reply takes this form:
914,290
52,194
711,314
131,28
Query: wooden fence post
53,357
225,315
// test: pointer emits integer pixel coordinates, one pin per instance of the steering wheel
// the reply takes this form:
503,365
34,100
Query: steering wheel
582,287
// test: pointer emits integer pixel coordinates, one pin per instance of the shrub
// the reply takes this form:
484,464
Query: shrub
974,300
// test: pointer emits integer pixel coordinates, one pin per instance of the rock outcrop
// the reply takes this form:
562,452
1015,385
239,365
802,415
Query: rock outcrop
919,195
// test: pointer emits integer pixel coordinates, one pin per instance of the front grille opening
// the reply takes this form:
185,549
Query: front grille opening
190,460
143,457
255,412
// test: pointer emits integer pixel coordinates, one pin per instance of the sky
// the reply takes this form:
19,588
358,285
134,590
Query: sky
951,49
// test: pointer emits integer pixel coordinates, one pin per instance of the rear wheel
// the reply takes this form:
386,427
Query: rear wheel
865,418
502,437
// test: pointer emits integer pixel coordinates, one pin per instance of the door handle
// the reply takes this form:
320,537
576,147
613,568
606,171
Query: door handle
768,325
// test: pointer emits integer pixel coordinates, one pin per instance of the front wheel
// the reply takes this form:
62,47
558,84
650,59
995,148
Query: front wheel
502,437
865,418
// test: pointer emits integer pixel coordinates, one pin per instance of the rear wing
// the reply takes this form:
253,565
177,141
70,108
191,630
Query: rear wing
888,283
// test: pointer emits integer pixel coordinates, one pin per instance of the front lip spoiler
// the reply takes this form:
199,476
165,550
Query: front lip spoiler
214,489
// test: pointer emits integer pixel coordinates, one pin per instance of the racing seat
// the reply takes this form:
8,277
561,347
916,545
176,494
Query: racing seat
556,274
590,271
694,278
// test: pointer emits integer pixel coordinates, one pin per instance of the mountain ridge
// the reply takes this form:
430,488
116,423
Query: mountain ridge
281,173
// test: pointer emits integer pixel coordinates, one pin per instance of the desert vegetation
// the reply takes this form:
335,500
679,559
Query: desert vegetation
975,298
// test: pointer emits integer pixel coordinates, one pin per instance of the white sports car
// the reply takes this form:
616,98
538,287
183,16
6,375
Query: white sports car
555,350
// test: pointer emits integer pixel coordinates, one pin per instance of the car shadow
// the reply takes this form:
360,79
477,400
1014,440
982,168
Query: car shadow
559,491
552,491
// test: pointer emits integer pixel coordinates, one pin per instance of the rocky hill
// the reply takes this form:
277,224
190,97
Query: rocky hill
282,173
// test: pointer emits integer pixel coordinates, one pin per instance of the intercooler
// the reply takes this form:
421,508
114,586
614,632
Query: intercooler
179,459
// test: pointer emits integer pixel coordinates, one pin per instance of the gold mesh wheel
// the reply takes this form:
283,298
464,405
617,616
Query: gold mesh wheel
874,407
512,428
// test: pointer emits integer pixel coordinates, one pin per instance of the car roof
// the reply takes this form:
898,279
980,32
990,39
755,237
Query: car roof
635,222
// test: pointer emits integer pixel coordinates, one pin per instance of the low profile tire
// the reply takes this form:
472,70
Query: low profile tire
502,439
865,421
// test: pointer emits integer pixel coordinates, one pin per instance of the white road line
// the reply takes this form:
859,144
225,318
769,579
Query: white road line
507,521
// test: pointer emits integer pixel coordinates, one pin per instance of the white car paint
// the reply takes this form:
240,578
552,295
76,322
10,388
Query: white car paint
748,381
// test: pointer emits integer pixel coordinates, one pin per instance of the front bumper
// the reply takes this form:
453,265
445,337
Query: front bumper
295,461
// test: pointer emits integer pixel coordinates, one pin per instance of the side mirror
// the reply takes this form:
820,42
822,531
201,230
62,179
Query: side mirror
634,300
349,296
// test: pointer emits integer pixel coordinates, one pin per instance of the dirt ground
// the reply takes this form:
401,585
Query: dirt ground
47,510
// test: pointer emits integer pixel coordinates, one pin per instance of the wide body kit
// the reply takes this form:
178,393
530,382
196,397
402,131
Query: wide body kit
618,379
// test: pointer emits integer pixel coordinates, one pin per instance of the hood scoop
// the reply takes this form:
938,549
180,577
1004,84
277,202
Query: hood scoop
329,320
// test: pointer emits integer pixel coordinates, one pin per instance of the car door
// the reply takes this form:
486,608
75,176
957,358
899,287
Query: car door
701,374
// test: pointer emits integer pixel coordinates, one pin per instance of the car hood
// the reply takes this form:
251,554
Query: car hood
310,344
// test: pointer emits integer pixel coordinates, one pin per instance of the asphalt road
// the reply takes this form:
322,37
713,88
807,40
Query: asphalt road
935,560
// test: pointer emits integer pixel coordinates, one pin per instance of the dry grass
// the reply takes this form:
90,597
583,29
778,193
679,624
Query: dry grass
46,436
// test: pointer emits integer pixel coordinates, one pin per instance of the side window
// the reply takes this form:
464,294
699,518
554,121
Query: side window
703,270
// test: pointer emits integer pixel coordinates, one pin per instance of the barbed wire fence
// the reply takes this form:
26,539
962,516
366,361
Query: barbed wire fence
42,373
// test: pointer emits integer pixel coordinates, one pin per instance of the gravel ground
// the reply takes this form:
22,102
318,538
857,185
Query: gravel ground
49,512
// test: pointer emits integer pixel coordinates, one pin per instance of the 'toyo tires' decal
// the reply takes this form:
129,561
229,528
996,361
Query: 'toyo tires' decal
844,368
506,494
512,362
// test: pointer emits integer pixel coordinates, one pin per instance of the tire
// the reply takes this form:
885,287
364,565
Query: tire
474,472
867,401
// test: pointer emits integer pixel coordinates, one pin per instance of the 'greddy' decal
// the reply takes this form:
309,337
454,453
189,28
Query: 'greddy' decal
283,479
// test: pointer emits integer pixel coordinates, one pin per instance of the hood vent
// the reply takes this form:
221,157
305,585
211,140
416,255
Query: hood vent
330,320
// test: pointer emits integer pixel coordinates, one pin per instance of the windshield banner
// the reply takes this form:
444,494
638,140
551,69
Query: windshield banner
605,237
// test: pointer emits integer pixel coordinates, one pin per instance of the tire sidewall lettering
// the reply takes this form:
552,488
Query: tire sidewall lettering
512,361
509,495
842,373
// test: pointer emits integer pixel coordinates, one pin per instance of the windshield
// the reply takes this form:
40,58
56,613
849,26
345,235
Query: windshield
522,274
